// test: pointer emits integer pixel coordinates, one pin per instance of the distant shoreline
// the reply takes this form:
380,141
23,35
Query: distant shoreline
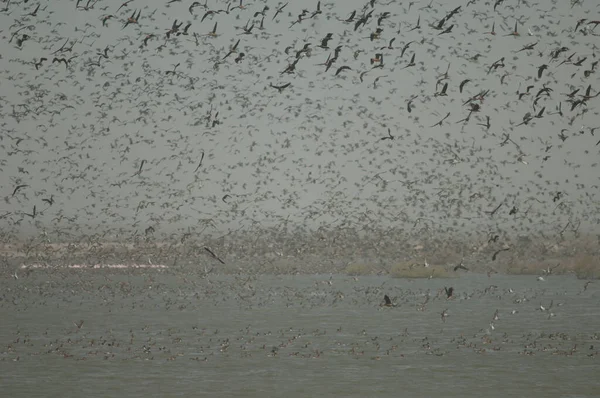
415,259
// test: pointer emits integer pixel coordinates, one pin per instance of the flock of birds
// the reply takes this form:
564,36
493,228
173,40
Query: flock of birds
492,318
171,119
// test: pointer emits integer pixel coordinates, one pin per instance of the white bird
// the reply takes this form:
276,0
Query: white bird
444,315
542,308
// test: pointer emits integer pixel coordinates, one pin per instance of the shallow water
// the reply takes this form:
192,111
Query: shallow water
175,333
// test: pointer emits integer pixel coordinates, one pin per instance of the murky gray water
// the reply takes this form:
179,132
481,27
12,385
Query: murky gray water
174,333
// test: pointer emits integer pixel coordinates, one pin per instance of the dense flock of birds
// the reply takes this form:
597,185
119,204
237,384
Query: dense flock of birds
410,320
168,118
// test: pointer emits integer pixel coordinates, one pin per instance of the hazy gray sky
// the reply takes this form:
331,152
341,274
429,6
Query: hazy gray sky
313,153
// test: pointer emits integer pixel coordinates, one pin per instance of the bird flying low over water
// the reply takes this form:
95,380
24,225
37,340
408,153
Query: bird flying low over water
449,291
387,302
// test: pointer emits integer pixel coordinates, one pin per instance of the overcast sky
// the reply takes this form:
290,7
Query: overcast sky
313,153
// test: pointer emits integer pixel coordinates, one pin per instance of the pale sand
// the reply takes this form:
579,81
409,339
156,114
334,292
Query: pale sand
94,266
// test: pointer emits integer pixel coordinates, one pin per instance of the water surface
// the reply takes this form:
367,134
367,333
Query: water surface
178,333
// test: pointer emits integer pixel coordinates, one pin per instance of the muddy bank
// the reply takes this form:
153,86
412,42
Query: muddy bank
378,252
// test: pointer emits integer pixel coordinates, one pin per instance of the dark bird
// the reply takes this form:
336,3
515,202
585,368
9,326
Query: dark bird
278,11
411,63
232,50
417,26
172,72
498,252
63,60
207,13
453,12
174,28
49,201
200,163
281,87
487,124
325,40
341,69
491,213
34,12
33,214
541,70
462,85
213,33
557,196
443,92
449,291
140,169
214,255
562,136
447,30
18,188
441,121
493,238
404,48
387,302
291,67
390,46
196,4
247,30
263,12
389,137
239,6
460,266
185,30
409,105
318,10
382,17
105,19
515,32
350,18
527,47
125,4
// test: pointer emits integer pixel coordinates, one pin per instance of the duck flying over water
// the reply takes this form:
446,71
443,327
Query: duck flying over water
449,291
387,302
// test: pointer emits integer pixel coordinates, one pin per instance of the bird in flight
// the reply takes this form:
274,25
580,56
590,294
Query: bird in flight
18,188
132,19
387,302
389,136
460,266
449,291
